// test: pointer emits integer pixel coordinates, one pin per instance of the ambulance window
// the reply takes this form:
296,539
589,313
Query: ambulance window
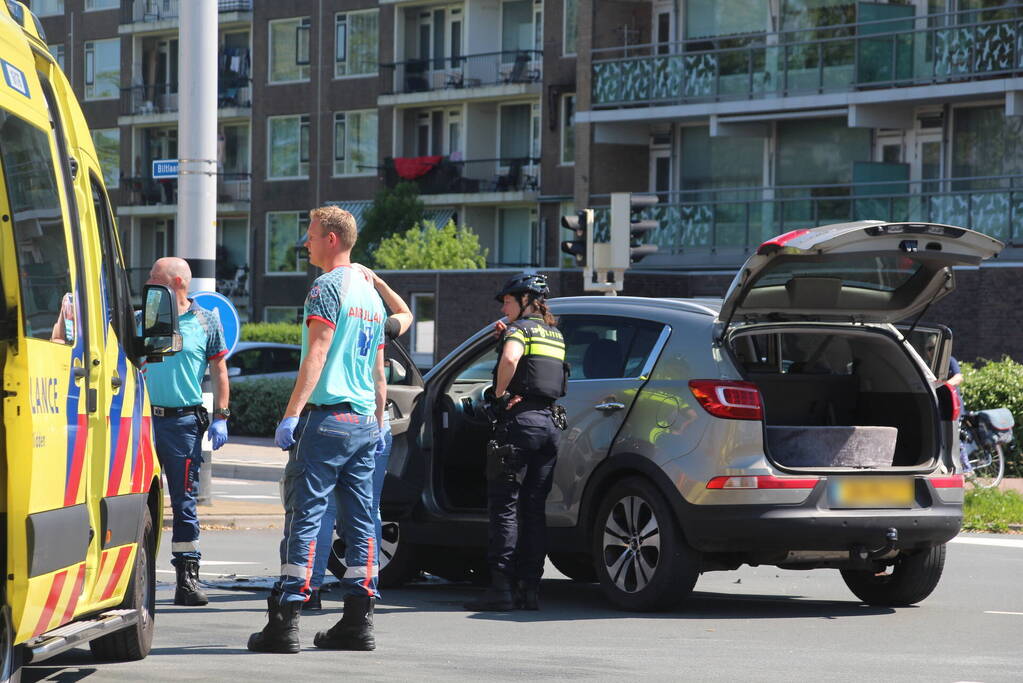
48,304
116,297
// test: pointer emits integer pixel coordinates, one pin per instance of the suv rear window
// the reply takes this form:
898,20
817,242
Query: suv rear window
883,273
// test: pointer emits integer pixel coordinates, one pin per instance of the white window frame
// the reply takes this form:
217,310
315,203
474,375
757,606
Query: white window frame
57,51
566,125
303,25
90,66
49,9
565,52
337,23
300,216
115,5
344,115
422,358
303,129
297,309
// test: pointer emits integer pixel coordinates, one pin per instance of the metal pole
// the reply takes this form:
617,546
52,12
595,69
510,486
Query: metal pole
196,229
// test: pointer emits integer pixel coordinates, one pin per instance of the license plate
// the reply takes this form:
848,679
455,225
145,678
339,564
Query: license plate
870,492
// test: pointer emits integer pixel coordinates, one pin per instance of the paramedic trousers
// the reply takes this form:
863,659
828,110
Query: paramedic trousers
179,449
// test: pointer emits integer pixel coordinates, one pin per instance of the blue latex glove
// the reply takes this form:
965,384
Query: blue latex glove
285,434
218,433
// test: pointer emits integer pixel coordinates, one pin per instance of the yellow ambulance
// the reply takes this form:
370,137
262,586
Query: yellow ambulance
80,492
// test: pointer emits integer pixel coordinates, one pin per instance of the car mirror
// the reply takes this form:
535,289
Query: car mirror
161,333
234,371
395,372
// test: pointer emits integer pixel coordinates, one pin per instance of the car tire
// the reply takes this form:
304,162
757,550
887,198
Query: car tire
10,654
399,561
134,642
910,580
576,566
642,559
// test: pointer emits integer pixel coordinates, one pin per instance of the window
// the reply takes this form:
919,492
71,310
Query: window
248,362
58,53
102,4
283,230
355,142
289,50
519,132
38,226
282,314
47,8
606,347
355,43
799,157
516,27
108,151
517,227
102,69
424,311
567,129
985,142
571,27
288,147
116,292
234,155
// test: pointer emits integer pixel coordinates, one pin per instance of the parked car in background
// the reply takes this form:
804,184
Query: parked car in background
263,360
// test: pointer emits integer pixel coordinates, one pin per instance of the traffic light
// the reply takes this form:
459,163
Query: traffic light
629,228
581,248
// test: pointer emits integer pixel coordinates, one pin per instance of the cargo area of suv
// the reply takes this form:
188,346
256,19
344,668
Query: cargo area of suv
839,398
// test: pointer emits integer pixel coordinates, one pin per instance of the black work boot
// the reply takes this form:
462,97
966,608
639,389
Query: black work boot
281,631
188,592
497,598
314,602
355,629
527,594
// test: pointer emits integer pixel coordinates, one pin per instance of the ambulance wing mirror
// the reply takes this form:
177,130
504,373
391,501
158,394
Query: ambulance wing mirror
161,334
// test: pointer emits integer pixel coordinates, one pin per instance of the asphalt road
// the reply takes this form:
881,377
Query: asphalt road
760,624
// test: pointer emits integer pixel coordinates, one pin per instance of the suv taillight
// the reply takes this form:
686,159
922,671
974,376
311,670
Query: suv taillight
761,481
728,399
949,404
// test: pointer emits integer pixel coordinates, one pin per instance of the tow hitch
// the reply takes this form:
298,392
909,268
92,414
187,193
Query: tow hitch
860,552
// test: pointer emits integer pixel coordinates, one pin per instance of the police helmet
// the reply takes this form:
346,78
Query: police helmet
525,283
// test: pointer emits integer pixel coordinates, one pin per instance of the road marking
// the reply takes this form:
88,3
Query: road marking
231,482
253,496
1018,614
1001,542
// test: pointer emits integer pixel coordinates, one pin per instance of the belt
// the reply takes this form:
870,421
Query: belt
530,403
344,406
163,411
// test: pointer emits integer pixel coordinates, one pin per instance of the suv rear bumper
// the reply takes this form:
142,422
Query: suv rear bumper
811,525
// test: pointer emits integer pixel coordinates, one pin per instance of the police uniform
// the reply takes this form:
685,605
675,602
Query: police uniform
179,421
517,501
336,439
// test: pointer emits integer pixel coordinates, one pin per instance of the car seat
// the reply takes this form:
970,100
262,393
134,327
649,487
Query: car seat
603,359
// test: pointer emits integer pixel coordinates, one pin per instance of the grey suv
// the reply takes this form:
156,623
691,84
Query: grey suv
791,424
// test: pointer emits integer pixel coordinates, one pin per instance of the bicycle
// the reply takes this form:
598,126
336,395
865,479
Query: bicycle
984,436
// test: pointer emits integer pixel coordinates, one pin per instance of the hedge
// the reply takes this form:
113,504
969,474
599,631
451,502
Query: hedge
282,333
257,405
997,384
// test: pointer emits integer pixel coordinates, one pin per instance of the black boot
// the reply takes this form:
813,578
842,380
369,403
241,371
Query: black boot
314,602
355,629
527,594
281,631
497,598
188,592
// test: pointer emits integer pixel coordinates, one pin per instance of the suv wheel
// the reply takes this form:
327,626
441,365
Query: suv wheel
642,559
910,580
398,561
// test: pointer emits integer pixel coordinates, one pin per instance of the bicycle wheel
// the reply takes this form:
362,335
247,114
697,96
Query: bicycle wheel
988,467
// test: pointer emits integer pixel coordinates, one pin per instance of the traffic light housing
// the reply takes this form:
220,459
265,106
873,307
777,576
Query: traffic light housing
629,228
580,248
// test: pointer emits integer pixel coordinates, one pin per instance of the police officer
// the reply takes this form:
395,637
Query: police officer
179,418
529,376
334,415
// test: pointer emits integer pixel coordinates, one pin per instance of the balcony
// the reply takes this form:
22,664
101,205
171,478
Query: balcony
438,175
153,100
721,227
454,75
146,196
886,53
155,11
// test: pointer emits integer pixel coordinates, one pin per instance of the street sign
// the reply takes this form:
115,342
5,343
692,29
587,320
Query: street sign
165,168
228,314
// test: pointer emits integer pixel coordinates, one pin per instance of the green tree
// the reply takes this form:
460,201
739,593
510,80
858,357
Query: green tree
432,248
393,211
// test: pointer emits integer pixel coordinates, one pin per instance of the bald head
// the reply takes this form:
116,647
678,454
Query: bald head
172,272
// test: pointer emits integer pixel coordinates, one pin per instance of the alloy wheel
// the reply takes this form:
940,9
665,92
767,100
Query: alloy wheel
632,544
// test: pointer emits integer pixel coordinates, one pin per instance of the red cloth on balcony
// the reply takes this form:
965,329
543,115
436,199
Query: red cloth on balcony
411,168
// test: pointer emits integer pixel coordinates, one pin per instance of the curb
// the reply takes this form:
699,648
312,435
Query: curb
231,470
215,522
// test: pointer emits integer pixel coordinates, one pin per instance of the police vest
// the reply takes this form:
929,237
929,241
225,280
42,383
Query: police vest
542,371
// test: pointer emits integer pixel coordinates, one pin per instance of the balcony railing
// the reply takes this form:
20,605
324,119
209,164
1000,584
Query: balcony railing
145,11
442,175
466,71
913,50
139,100
739,219
145,191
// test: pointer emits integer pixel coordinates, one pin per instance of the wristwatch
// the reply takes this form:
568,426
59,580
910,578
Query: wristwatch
225,412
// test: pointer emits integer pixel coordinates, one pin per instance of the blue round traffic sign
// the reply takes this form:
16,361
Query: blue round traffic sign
227,313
